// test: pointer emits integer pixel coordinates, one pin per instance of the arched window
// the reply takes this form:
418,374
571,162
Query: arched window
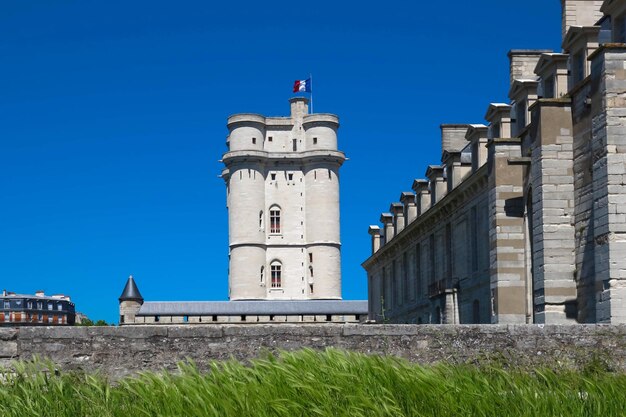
275,220
276,271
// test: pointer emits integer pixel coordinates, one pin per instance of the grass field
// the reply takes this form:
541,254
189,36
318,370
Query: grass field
307,383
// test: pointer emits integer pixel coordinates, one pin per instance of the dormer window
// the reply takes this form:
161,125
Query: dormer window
578,67
494,130
547,85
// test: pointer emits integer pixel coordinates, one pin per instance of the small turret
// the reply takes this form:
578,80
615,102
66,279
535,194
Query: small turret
130,302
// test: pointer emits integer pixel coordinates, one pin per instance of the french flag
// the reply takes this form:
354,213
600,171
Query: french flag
302,86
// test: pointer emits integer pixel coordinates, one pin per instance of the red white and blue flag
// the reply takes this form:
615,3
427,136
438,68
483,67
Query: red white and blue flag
302,86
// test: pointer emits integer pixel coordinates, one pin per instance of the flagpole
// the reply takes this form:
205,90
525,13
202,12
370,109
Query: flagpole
311,78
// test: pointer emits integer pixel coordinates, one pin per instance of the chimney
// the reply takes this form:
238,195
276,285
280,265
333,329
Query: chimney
453,137
374,231
39,293
579,13
422,195
410,208
523,63
397,209
387,220
4,293
438,186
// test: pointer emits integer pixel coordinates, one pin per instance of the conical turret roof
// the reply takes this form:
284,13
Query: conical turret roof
131,292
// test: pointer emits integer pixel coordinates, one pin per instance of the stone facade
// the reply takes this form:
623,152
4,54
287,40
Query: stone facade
282,180
552,191
121,351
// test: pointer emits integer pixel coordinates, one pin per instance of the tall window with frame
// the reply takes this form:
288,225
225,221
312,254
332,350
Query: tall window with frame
276,271
275,220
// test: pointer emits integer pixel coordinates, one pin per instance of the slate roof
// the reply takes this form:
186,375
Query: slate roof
261,308
131,292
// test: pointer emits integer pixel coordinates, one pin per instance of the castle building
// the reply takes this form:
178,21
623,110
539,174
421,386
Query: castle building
524,220
36,310
282,181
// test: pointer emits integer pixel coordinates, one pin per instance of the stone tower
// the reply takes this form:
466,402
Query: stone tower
130,301
282,181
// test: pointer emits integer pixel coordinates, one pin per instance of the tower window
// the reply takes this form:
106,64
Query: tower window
273,176
310,255
261,220
275,220
270,138
276,269
314,141
254,141
295,145
311,270
290,177
262,275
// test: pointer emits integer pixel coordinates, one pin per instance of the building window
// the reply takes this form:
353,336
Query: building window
261,220
40,317
275,220
262,275
310,257
254,141
548,87
476,312
474,239
49,306
29,305
405,276
157,319
273,177
314,141
311,288
418,270
270,138
7,305
578,67
39,305
59,307
295,144
276,269
290,177
6,316
311,271
448,255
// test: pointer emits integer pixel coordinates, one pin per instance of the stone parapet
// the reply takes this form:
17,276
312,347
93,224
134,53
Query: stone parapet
122,351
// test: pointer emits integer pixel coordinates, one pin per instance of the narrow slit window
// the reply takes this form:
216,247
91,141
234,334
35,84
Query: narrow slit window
290,177
314,141
310,256
295,145
254,141
273,176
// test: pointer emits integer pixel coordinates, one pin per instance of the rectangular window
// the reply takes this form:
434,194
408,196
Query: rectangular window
405,276
448,255
310,257
578,67
274,221
418,272
548,87
39,305
7,305
431,253
40,317
474,239
59,307
254,141
276,276
273,177
520,116
29,305
295,145
49,306
7,316
290,176
314,141
269,138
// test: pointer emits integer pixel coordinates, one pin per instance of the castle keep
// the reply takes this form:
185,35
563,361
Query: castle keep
524,219
282,180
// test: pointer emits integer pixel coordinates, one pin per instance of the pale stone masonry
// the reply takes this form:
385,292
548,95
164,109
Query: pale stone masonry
547,177
282,180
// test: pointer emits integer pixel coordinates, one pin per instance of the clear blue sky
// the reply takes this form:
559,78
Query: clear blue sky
113,113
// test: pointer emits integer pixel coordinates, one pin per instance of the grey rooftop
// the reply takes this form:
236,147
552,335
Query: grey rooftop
233,308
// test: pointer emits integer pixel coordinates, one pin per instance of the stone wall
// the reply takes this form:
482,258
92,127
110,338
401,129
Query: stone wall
119,351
